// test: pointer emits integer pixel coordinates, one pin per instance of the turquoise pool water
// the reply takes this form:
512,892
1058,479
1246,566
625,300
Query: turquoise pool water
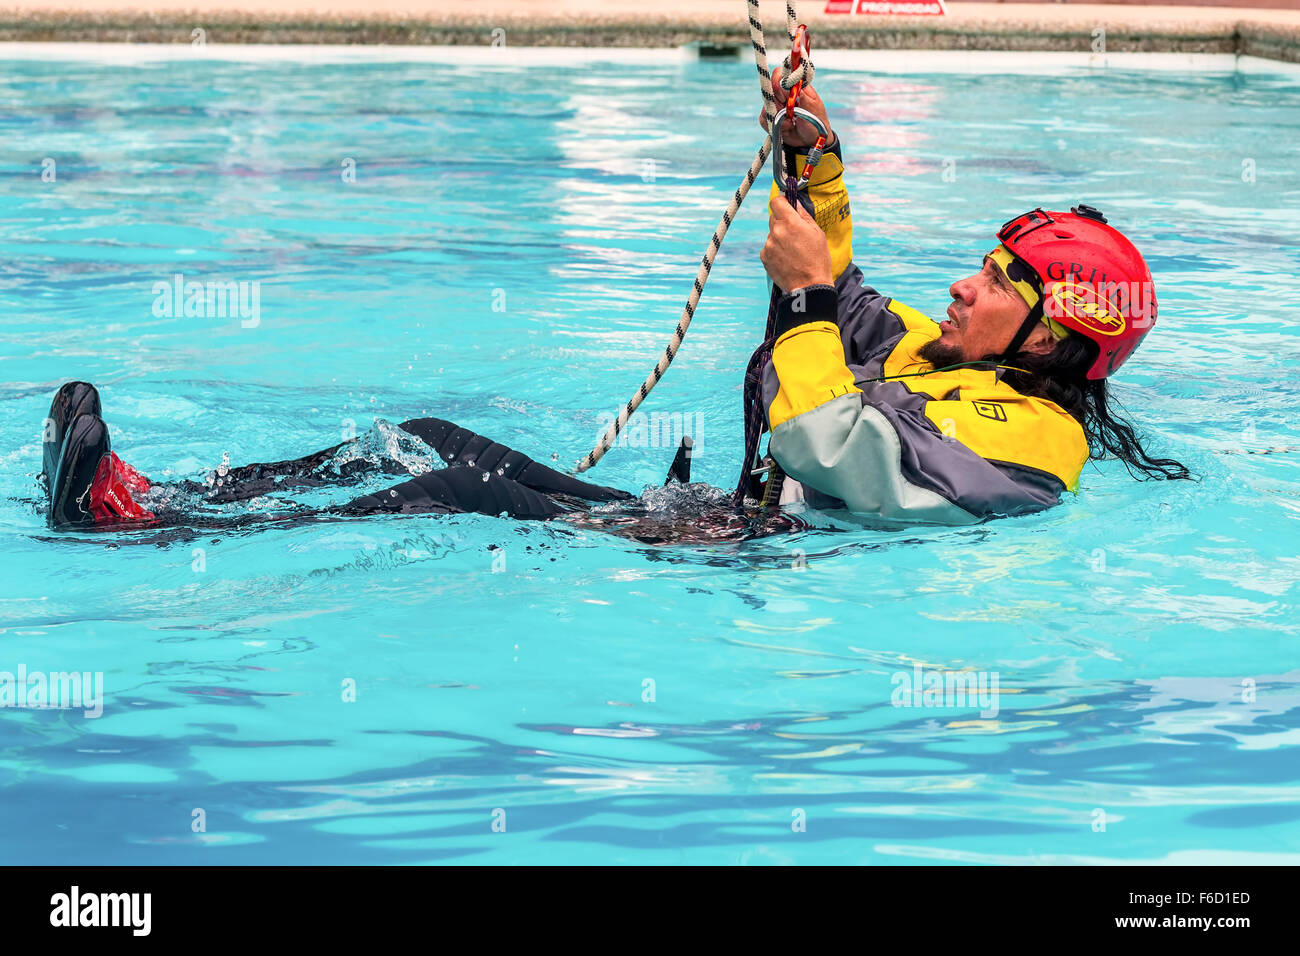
512,255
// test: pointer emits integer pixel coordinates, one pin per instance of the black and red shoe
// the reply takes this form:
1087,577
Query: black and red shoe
88,484
72,399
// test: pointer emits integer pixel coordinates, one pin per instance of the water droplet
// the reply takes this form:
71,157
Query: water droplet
392,493
501,471
486,476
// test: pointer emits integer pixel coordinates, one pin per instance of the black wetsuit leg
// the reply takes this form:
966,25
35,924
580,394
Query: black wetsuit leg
456,445
516,485
459,489
260,478
484,477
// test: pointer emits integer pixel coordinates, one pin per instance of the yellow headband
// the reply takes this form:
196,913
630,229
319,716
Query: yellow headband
1028,291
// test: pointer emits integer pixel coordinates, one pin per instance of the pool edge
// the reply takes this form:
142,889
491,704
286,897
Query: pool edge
1272,34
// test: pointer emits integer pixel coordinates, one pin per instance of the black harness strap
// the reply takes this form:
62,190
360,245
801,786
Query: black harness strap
1033,318
755,417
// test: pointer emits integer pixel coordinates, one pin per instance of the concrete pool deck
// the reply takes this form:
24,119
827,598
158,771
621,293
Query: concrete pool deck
1059,27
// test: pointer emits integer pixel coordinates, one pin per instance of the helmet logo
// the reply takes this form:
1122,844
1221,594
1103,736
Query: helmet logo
1086,305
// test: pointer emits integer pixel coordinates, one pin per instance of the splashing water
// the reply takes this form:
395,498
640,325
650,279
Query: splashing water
673,499
383,446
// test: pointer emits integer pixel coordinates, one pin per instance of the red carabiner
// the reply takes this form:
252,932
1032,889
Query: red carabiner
800,48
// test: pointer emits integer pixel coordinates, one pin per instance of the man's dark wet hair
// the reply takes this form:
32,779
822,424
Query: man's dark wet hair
1060,376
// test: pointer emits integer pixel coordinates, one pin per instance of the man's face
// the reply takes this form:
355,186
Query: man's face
985,313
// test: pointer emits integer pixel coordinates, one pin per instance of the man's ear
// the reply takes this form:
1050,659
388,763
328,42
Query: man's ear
1040,341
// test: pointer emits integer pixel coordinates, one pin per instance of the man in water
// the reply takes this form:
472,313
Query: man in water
873,408
994,411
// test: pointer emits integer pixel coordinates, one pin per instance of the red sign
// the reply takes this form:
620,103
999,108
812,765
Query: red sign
895,8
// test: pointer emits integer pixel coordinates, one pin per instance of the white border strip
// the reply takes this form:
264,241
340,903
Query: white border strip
870,61
481,56
1027,62
1039,62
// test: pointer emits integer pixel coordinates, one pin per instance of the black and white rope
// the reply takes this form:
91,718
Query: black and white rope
788,78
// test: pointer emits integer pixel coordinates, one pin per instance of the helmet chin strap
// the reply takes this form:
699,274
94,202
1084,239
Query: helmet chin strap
1033,318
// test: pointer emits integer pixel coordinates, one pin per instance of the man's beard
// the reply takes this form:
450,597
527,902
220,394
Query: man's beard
940,355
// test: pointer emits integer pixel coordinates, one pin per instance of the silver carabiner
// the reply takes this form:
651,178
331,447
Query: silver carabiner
779,173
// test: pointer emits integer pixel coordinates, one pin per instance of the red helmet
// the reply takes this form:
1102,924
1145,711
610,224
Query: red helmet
1093,280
